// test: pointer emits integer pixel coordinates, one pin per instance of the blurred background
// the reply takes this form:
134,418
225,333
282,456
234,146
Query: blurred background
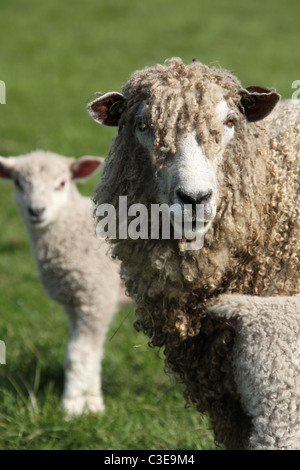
53,57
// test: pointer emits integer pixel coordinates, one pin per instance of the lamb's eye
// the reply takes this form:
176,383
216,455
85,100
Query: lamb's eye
18,184
230,121
61,185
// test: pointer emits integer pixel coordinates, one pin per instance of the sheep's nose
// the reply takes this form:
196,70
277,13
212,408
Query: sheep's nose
36,212
200,198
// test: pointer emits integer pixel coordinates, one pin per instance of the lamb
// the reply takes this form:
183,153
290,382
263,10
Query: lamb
194,136
73,266
264,368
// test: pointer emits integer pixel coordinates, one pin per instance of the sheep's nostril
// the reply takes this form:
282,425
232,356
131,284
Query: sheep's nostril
200,198
204,196
36,211
185,198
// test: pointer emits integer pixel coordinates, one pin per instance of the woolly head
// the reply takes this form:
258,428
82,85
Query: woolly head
44,183
175,123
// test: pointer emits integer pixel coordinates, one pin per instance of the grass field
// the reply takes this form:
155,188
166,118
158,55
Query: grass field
53,56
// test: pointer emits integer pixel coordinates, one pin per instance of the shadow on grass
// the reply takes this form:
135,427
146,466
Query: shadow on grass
30,379
12,246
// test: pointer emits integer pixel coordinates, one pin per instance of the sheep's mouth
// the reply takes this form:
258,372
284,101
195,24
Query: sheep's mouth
191,220
37,221
205,224
190,229
200,227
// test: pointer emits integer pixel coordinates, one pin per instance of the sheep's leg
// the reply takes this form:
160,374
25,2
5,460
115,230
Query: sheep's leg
82,388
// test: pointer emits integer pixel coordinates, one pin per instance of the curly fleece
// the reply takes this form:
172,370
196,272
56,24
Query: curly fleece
252,246
266,366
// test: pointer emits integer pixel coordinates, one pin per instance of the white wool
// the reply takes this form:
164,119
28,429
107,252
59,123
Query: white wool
72,263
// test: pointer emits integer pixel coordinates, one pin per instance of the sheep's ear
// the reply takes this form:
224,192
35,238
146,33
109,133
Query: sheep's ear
257,102
107,109
84,167
6,165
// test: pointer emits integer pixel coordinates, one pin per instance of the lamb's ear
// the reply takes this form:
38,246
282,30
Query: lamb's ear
6,165
107,109
257,102
83,167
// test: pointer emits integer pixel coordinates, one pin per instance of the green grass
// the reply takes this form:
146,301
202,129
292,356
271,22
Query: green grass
53,56
144,409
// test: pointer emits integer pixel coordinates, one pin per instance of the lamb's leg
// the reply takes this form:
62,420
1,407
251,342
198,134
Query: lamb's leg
82,388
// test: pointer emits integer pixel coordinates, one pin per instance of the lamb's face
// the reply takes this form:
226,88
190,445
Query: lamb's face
41,188
44,184
189,177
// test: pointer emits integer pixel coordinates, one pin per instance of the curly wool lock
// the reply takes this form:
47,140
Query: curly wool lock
252,245
264,370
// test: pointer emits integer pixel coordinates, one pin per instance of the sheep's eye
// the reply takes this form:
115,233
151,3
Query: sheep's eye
141,126
61,185
230,121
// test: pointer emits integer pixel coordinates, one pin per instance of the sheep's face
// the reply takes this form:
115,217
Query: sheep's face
189,176
183,119
44,184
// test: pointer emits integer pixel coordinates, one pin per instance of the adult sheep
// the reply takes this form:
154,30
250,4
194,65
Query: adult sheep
70,261
189,134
